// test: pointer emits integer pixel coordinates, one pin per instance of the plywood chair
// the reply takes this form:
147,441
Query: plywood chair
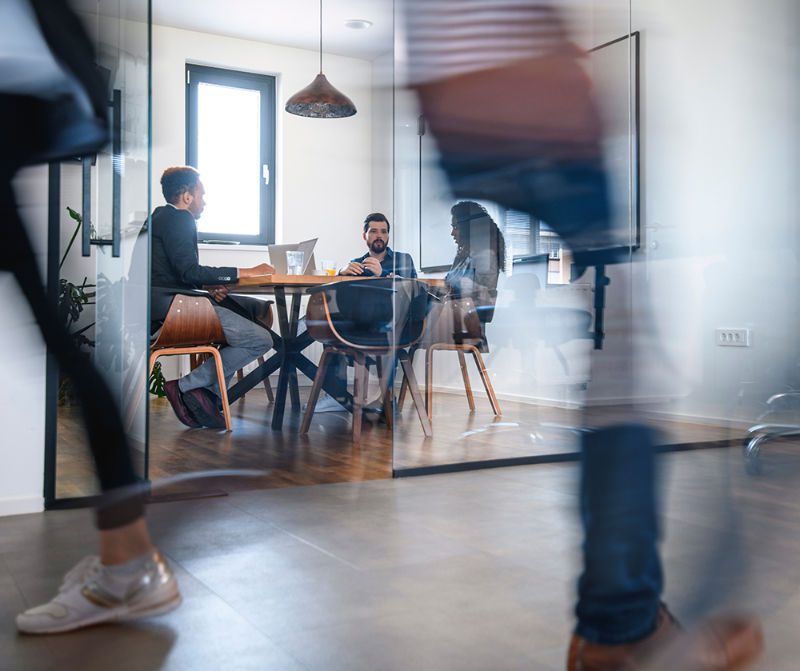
467,336
192,327
379,317
196,359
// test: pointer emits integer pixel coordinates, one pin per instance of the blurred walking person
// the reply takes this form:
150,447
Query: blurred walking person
53,107
502,88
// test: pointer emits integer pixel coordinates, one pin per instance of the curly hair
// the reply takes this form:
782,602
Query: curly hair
475,223
178,180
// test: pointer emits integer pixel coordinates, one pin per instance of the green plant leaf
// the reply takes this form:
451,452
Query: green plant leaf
157,381
77,217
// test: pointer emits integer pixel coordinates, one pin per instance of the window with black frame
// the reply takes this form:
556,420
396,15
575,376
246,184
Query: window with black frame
527,236
530,240
230,139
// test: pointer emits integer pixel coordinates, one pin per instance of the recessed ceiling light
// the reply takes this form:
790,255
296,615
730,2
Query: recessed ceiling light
358,24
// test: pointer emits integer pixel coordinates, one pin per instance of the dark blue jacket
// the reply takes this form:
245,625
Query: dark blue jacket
399,263
175,266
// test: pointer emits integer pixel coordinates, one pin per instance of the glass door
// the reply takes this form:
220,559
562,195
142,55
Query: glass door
518,340
104,202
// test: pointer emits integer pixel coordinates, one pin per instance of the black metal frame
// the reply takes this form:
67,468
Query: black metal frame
556,458
53,278
635,153
288,359
115,105
51,370
265,84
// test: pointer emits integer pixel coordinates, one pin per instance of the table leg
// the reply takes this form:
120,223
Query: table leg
294,391
283,378
258,375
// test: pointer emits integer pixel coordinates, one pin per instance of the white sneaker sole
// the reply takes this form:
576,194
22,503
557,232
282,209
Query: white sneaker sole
113,615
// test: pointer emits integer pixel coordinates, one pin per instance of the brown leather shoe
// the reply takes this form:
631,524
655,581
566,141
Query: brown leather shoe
203,406
175,399
722,644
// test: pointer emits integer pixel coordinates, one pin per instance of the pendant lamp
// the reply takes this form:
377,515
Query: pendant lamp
320,99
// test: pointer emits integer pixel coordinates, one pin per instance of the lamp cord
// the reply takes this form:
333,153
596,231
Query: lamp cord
320,36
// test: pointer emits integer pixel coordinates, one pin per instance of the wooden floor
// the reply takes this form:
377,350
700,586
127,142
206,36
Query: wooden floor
326,454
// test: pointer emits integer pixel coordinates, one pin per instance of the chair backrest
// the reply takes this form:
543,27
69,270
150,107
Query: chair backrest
481,287
191,320
372,313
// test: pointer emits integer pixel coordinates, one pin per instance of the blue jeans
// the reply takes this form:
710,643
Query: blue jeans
619,592
246,342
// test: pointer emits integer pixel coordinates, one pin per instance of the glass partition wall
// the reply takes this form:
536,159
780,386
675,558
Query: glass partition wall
103,264
689,330
519,396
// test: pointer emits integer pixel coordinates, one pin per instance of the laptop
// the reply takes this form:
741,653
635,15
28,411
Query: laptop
277,256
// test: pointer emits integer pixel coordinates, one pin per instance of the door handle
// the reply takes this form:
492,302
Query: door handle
86,205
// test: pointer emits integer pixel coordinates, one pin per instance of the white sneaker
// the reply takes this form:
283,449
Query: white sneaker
91,594
328,404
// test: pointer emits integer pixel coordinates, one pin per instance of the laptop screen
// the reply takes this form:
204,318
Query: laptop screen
277,256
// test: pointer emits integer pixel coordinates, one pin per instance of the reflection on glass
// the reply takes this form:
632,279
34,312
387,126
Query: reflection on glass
523,394
113,321
229,160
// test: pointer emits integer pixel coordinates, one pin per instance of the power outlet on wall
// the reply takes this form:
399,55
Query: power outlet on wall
732,337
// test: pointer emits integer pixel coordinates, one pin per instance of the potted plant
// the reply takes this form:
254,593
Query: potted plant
72,300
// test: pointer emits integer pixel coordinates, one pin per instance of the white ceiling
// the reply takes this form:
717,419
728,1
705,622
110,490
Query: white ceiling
292,23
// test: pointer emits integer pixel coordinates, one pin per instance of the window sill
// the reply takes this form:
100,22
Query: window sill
232,248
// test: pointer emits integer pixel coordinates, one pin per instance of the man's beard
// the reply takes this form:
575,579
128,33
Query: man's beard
377,246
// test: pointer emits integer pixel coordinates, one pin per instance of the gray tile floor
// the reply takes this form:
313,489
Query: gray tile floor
462,571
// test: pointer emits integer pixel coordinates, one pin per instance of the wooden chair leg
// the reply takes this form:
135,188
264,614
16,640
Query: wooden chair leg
315,389
416,397
267,385
197,359
384,373
462,361
141,392
401,398
153,357
487,383
359,395
223,390
428,381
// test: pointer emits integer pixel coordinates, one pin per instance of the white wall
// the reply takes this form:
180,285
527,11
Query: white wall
22,398
382,140
722,127
324,166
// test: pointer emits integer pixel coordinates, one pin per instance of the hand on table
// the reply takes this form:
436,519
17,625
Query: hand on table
255,271
372,264
353,268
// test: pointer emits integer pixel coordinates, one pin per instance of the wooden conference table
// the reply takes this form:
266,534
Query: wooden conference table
289,346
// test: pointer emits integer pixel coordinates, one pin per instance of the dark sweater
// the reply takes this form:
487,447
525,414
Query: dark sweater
175,266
